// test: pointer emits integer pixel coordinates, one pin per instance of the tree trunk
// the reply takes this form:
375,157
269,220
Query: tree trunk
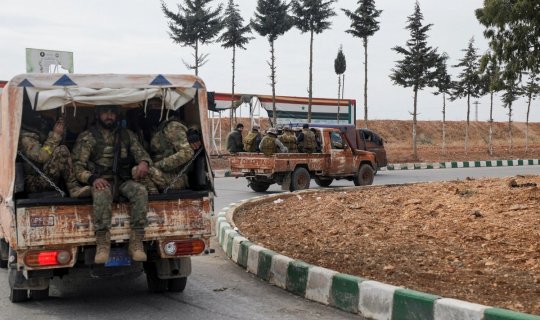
196,58
467,125
338,96
510,127
527,124
415,153
365,83
273,80
231,120
444,124
310,89
490,138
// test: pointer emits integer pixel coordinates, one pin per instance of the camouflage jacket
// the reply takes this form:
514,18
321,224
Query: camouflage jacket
32,146
170,147
87,161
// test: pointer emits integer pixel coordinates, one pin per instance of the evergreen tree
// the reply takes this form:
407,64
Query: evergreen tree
511,94
234,36
272,20
418,68
531,90
491,82
364,24
193,25
443,84
468,84
312,16
340,65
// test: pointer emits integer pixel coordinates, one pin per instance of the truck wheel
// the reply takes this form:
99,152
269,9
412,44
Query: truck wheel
177,284
18,295
259,186
365,175
300,179
39,294
323,182
4,254
155,284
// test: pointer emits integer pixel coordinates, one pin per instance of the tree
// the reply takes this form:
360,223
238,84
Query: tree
234,36
491,82
418,68
340,65
364,24
272,20
531,90
312,16
443,83
468,84
511,94
194,24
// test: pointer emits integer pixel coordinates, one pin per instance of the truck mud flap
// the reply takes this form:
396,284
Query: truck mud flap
286,184
17,280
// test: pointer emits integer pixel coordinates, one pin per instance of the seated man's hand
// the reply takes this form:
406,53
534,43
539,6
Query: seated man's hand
141,170
101,184
59,126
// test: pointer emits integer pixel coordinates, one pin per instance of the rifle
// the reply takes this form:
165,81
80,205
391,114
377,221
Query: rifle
116,159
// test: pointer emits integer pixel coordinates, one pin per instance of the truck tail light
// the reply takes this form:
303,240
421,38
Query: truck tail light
47,258
183,247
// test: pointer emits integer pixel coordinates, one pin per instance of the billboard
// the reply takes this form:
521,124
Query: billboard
48,61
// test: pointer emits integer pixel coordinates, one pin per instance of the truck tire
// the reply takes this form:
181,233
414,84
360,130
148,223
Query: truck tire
323,182
259,186
18,295
155,284
365,175
300,179
177,284
39,294
4,253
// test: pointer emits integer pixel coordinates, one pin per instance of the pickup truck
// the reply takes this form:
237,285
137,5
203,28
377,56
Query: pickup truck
46,234
294,171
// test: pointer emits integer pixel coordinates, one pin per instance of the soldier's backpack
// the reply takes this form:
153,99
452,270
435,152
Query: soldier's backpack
249,142
268,145
310,142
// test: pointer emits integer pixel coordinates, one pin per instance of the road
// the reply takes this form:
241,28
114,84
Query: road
217,289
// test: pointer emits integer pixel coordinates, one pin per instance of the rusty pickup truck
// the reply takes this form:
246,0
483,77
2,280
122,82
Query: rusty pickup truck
46,234
294,171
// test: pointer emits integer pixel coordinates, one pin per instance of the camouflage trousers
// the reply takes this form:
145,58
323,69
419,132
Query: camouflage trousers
157,179
138,198
58,166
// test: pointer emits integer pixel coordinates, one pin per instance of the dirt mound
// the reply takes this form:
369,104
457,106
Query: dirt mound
474,240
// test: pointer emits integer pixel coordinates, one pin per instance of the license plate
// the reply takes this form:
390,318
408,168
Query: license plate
118,257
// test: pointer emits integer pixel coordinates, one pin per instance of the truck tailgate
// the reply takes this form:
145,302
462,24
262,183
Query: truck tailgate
70,221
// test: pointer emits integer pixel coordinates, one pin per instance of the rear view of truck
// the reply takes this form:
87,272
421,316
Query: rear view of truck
46,234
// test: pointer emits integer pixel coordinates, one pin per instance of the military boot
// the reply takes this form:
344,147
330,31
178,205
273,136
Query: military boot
103,246
76,191
136,247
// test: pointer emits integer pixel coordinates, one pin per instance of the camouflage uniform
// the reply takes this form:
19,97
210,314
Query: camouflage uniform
289,140
93,156
270,145
252,141
49,156
170,150
306,141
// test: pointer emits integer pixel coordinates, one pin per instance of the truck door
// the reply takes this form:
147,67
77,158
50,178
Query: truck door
341,159
374,143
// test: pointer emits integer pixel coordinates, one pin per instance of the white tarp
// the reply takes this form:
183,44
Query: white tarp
48,99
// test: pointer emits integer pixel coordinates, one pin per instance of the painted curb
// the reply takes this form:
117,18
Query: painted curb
461,164
366,298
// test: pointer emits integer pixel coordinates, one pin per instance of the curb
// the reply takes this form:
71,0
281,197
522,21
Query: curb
462,164
366,298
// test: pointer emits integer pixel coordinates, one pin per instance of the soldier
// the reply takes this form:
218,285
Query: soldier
270,143
252,140
289,140
234,140
172,145
48,155
95,152
306,140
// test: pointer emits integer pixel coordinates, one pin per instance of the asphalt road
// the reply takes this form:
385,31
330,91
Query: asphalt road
217,289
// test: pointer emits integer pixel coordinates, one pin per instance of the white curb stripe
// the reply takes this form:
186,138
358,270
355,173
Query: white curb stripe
376,300
236,247
222,228
319,283
226,239
219,221
278,270
253,258
452,309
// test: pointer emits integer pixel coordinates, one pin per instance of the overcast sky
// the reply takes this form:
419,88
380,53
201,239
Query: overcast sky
124,36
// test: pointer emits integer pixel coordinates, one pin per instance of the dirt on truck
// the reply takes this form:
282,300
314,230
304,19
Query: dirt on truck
294,171
46,233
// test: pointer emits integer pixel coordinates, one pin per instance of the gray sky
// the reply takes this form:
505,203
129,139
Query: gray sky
124,36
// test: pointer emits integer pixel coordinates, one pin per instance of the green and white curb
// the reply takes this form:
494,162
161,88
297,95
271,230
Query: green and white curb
462,164
366,298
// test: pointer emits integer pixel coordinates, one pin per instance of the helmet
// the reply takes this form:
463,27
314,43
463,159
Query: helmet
255,128
272,131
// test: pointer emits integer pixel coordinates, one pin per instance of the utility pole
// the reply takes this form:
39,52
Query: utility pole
476,103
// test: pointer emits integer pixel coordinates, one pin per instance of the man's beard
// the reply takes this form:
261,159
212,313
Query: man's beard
105,125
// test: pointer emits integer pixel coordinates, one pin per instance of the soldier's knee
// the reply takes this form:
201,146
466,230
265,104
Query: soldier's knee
102,195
